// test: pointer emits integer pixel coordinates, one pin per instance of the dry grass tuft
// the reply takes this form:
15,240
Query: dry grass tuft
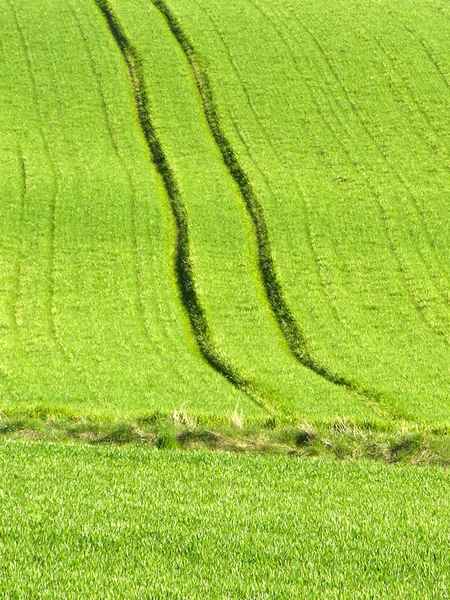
182,417
237,418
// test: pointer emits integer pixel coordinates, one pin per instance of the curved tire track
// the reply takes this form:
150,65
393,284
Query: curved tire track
137,269
307,207
183,265
381,206
286,321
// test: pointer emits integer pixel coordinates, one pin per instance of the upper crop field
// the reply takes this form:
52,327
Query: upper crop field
233,207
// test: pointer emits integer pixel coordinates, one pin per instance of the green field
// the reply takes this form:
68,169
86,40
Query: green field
83,522
224,226
225,208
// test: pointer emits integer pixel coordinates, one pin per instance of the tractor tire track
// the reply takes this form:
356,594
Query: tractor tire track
307,207
183,264
289,328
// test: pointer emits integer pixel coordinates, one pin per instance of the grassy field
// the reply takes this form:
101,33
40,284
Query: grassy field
224,226
235,210
83,522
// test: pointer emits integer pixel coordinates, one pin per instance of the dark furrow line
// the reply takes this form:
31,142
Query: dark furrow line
183,264
18,266
416,36
53,330
120,155
395,70
376,192
432,58
95,72
416,301
396,18
272,286
338,316
434,61
299,188
286,321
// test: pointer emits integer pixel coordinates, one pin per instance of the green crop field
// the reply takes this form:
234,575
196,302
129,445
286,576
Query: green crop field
224,225
225,208
83,522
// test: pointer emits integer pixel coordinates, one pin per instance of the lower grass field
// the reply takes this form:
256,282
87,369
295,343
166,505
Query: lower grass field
126,522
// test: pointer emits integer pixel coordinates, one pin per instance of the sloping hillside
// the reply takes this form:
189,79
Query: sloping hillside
225,207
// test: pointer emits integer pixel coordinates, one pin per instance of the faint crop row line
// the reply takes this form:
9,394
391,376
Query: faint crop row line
286,321
434,60
20,221
431,57
402,179
441,74
4,376
136,251
417,301
371,395
183,264
329,124
271,283
98,82
269,142
174,366
65,354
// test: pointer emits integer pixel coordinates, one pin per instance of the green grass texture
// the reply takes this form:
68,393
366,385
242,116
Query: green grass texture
225,208
108,522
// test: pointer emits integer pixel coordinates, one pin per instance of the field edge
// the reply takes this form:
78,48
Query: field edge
340,439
